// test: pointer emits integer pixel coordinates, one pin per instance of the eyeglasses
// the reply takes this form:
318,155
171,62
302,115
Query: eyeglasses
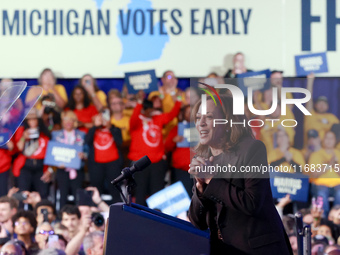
43,232
24,223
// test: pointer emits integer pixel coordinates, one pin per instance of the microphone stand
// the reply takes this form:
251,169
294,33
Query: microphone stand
130,186
303,235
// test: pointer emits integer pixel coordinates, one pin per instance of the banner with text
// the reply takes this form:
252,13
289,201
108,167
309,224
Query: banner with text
63,155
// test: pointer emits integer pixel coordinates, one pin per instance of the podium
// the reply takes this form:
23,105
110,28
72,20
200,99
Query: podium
140,230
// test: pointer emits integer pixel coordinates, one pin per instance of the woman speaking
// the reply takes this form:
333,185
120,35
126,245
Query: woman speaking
236,206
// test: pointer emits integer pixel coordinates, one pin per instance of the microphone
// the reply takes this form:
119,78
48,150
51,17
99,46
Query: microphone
127,172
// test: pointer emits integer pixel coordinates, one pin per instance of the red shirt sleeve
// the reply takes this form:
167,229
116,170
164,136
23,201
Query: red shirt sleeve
134,117
169,143
167,117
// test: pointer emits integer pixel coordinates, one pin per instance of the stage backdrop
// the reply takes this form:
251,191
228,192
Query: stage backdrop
192,37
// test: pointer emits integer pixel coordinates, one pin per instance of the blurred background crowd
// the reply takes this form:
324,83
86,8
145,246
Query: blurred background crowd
39,211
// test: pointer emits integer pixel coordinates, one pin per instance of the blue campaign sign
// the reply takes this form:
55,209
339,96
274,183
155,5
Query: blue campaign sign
311,63
142,80
190,134
295,184
258,80
60,154
184,130
172,200
4,137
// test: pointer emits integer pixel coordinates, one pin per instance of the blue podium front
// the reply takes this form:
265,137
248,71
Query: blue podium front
137,229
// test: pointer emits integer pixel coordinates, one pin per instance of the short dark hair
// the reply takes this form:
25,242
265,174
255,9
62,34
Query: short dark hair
147,104
27,215
164,74
13,203
70,210
44,202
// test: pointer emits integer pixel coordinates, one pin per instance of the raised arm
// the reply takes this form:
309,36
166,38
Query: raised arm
310,85
167,117
134,117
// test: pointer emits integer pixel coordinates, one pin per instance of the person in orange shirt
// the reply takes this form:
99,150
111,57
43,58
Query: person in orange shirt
98,96
327,180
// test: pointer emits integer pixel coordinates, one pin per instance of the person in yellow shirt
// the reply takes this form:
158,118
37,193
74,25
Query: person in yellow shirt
98,96
313,144
270,128
47,81
168,93
118,118
327,180
284,155
121,120
320,120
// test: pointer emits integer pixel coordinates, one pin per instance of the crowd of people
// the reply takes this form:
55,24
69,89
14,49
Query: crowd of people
115,130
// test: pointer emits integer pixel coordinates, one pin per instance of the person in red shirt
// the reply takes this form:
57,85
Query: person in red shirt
180,158
146,139
5,165
81,105
105,160
31,140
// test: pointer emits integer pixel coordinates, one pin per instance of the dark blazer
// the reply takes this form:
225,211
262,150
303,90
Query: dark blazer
240,205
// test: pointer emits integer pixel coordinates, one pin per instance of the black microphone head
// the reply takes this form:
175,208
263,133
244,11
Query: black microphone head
140,164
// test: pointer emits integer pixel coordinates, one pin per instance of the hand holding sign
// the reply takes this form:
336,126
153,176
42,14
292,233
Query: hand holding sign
257,80
311,63
63,155
178,138
143,80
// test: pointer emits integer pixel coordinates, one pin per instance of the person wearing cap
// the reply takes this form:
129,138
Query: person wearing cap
320,120
31,140
264,100
313,144
326,181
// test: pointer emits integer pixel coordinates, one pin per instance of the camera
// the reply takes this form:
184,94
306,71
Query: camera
33,133
97,219
49,103
44,211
